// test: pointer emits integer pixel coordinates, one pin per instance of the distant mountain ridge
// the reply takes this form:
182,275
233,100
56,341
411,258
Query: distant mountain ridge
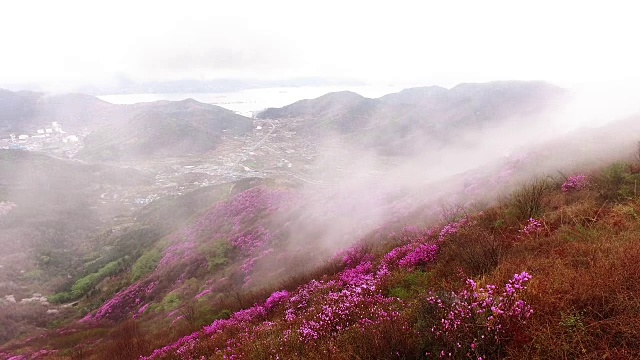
162,128
432,113
25,111
394,123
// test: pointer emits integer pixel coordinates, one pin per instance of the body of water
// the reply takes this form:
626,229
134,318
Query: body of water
250,101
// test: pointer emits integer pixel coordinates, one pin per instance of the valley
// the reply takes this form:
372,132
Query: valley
174,227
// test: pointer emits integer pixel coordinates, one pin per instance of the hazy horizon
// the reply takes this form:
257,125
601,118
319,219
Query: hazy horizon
70,45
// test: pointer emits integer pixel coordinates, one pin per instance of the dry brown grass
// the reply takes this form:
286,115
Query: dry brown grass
586,290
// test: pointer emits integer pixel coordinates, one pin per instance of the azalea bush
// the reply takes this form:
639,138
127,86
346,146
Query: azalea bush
575,183
125,303
532,227
478,322
351,310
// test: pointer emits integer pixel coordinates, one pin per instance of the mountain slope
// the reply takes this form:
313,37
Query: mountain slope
25,111
514,259
340,111
55,208
520,279
418,117
163,129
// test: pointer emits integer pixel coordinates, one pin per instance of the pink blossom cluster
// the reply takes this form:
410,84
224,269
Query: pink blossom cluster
451,229
253,239
512,165
411,255
202,294
353,256
323,309
505,175
182,252
340,310
318,309
238,218
473,185
423,254
532,227
241,320
40,354
477,321
141,310
249,264
575,183
420,249
361,275
469,322
275,299
241,220
124,302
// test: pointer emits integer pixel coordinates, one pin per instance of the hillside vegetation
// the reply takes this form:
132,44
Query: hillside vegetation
122,132
163,129
547,272
416,119
487,248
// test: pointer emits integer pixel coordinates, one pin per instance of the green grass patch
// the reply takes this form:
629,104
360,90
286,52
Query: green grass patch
145,264
85,284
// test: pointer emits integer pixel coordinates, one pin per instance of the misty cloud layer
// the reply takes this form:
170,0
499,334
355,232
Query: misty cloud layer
68,44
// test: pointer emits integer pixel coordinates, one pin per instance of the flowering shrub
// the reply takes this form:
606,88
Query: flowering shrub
361,275
317,311
186,346
476,322
343,309
354,255
421,255
180,252
411,255
249,264
451,229
40,354
275,299
575,183
141,311
202,294
124,302
236,219
419,249
532,227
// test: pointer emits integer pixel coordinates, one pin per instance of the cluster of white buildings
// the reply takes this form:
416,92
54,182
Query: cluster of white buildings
55,129
46,138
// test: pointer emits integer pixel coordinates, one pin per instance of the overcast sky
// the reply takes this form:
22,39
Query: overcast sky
63,44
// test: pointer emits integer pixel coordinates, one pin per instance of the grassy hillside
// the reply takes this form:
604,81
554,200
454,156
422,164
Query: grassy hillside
50,211
528,257
545,272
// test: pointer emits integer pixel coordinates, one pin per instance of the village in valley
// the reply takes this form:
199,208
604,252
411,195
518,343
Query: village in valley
272,149
51,139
